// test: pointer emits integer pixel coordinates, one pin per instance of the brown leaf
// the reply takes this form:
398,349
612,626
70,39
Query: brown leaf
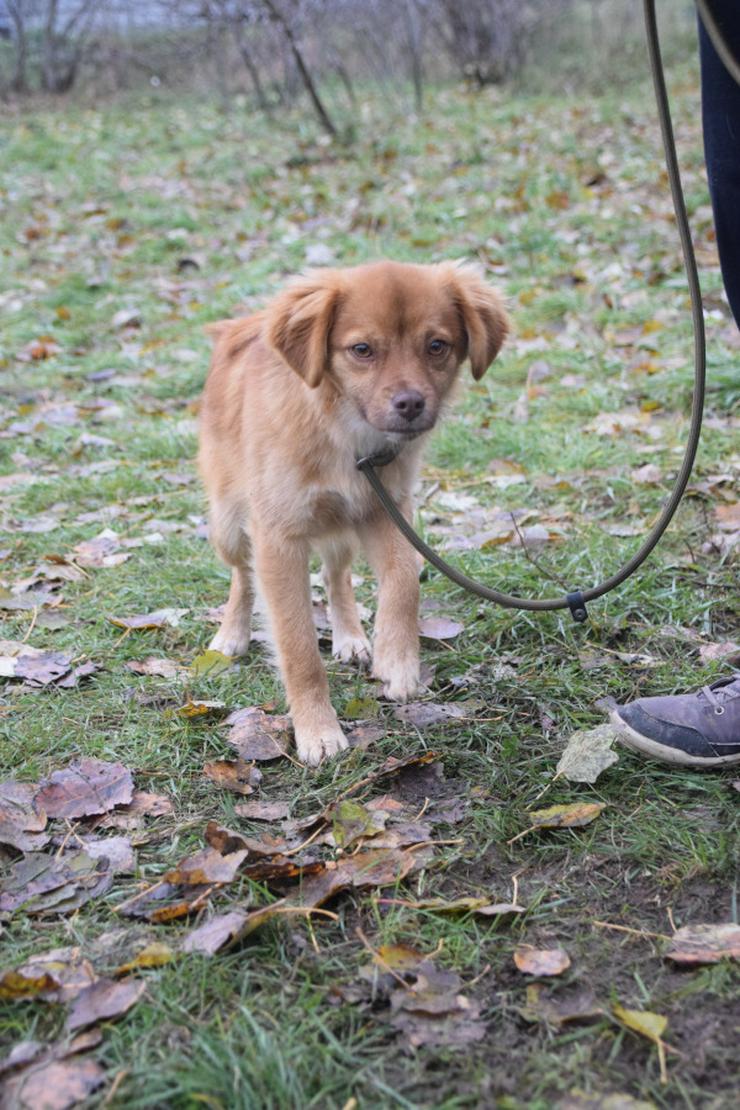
59,976
256,735
541,961
227,840
560,1010
103,1000
53,1085
87,786
161,668
466,905
262,811
160,618
423,714
206,867
440,628
42,884
22,818
116,850
234,775
704,944
214,933
143,804
164,902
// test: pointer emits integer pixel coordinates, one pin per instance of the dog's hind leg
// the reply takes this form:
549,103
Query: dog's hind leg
227,527
348,640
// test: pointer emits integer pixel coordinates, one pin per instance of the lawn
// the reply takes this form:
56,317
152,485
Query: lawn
128,227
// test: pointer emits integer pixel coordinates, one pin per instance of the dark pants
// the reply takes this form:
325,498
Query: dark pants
721,121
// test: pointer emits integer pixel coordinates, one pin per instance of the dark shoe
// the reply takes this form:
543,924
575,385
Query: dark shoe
699,730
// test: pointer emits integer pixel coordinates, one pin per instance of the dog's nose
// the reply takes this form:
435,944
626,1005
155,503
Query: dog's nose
409,403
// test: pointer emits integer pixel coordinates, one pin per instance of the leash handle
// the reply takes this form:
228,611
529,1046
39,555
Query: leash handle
576,600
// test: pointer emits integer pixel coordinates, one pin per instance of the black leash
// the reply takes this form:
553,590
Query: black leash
576,600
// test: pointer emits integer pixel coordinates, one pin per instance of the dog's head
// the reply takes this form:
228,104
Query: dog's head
389,336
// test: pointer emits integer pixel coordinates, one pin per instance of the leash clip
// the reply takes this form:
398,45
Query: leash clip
380,458
577,606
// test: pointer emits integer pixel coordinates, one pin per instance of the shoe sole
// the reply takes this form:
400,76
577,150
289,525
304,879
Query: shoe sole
645,746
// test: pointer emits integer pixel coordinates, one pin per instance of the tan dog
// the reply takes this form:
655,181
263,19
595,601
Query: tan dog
340,364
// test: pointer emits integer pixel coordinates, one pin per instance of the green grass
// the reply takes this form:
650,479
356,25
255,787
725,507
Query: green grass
99,206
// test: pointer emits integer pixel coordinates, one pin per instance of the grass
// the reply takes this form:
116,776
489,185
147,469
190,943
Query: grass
564,204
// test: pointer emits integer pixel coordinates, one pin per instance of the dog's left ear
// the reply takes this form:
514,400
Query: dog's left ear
298,324
484,317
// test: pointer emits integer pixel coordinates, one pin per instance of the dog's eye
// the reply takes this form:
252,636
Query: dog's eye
437,347
362,350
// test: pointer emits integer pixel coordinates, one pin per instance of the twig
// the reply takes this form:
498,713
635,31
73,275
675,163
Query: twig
423,810
379,959
544,571
312,837
141,894
120,1076
32,625
633,932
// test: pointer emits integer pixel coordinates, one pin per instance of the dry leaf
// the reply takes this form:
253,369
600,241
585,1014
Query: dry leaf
59,976
53,1085
153,955
87,786
440,628
214,933
205,867
541,961
193,708
22,817
39,884
565,816
262,811
234,775
161,668
558,1009
704,944
468,904
423,714
256,735
103,1000
160,618
588,753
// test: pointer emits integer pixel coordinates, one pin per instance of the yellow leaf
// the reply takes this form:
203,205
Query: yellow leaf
647,1023
154,955
211,663
565,817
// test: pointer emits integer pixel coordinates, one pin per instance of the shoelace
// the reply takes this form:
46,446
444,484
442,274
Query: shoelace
721,687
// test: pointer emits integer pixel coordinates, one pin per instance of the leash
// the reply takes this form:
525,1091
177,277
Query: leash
577,599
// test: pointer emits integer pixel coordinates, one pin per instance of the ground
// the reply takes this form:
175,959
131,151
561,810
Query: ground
126,228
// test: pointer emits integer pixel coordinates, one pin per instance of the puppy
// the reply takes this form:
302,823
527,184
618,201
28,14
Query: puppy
341,364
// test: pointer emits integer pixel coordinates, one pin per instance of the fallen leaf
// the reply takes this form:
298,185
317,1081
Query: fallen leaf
262,811
116,851
143,804
352,822
565,816
361,709
205,867
211,663
588,753
579,1100
22,817
87,786
467,904
541,961
558,1009
53,1085
39,884
104,1000
193,708
440,628
647,1024
423,714
704,944
160,618
256,735
161,668
727,650
152,955
59,976
214,933
398,957
234,775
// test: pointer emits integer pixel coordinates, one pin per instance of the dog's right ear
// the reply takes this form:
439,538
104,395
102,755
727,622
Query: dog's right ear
298,324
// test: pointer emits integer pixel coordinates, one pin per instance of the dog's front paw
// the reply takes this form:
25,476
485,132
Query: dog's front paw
230,642
347,647
401,678
318,740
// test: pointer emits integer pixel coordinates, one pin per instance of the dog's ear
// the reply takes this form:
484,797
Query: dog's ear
484,317
298,324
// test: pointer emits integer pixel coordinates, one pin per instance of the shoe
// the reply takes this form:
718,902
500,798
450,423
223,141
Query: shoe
697,730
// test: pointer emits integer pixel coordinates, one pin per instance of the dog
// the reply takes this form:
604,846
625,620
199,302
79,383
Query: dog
341,364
